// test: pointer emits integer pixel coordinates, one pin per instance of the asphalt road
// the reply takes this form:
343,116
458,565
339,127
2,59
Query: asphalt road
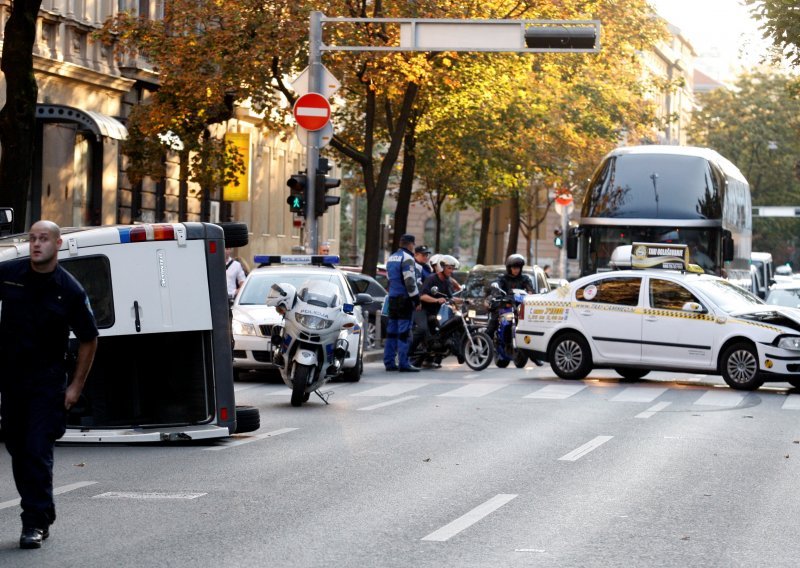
446,467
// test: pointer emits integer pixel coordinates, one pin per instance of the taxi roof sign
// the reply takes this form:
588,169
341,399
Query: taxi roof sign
666,256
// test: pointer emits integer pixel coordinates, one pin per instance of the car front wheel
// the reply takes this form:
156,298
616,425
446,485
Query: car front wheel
739,366
570,357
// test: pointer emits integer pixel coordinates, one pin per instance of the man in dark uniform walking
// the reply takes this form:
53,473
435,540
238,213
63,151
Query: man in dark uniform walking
41,302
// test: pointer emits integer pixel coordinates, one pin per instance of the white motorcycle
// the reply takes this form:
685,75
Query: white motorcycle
311,344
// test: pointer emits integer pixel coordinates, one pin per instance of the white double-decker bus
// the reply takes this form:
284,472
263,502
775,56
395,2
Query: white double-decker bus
667,194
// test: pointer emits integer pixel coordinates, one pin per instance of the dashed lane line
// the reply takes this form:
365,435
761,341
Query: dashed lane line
639,394
792,402
556,392
389,402
468,519
592,444
391,389
658,407
226,445
473,390
56,491
720,398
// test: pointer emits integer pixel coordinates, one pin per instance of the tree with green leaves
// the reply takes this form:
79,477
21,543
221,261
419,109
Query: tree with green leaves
755,126
780,22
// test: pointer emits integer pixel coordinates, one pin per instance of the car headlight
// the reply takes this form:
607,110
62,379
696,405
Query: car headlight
242,328
791,342
312,322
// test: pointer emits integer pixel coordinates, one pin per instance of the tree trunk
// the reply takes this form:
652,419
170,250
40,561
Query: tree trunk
513,226
486,218
406,180
18,116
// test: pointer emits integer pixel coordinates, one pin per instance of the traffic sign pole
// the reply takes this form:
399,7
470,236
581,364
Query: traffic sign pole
315,75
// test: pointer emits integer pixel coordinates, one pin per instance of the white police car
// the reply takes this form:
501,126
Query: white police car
634,321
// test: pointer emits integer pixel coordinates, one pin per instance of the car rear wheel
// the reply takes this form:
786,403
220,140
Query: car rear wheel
739,366
570,357
631,374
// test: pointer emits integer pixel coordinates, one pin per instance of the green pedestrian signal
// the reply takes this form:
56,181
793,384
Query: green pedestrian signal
297,200
558,239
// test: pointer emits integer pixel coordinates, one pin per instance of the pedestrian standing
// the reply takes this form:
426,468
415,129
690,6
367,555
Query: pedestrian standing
234,272
403,302
41,302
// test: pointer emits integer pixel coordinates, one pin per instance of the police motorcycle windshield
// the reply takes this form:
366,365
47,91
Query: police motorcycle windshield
320,294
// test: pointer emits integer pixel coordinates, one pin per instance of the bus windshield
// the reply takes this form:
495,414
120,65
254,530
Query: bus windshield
603,240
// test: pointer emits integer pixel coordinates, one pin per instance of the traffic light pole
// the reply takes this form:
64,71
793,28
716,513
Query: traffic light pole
315,76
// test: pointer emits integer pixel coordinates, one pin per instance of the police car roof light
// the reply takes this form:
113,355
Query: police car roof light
147,232
300,259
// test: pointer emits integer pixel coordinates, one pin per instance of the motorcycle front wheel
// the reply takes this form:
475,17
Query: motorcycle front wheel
478,353
300,380
520,359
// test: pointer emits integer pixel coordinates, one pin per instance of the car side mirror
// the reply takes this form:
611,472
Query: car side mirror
363,299
693,307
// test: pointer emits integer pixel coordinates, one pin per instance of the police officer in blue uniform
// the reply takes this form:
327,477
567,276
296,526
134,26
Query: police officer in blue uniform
401,269
41,302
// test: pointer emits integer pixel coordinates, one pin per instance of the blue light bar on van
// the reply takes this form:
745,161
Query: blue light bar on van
315,259
147,232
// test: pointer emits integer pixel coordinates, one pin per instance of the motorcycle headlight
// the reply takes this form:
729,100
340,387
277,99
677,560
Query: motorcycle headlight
242,328
509,316
312,322
791,342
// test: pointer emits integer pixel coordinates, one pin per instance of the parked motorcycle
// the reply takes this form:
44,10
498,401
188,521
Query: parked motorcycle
504,306
311,343
454,333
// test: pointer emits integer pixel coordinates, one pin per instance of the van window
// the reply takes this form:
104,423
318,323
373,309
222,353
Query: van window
94,274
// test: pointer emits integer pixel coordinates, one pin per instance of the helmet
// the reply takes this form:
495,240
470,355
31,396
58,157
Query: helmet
447,260
434,260
514,260
282,296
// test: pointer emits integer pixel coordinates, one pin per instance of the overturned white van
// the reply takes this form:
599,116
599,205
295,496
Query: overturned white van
163,369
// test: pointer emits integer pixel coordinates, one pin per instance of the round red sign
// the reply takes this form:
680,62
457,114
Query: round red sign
564,199
312,111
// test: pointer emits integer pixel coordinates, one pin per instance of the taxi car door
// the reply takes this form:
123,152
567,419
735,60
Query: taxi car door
672,334
607,309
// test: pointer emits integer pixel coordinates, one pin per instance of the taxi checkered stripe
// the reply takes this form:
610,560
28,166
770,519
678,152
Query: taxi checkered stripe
677,314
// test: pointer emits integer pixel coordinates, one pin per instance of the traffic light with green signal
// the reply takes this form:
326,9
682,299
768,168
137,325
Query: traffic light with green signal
321,186
558,239
297,198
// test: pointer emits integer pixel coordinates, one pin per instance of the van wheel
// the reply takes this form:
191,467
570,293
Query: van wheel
236,234
248,419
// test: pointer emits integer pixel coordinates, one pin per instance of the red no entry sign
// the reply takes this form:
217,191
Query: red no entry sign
312,111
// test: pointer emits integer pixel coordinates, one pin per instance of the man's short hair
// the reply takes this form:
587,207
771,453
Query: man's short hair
406,239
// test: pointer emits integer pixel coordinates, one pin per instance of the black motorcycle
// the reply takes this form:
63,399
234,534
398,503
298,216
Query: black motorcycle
503,307
453,333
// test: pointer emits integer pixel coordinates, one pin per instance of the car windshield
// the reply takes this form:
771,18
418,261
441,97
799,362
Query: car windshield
320,294
729,297
785,297
258,284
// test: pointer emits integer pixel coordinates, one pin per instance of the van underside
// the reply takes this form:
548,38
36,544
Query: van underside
151,380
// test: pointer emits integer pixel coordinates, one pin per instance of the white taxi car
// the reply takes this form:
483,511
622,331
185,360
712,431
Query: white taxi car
252,320
635,321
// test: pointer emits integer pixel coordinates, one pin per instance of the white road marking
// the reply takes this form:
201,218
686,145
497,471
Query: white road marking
638,394
473,390
56,491
471,376
720,398
554,392
249,439
467,520
578,453
792,402
658,407
392,389
147,495
389,402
